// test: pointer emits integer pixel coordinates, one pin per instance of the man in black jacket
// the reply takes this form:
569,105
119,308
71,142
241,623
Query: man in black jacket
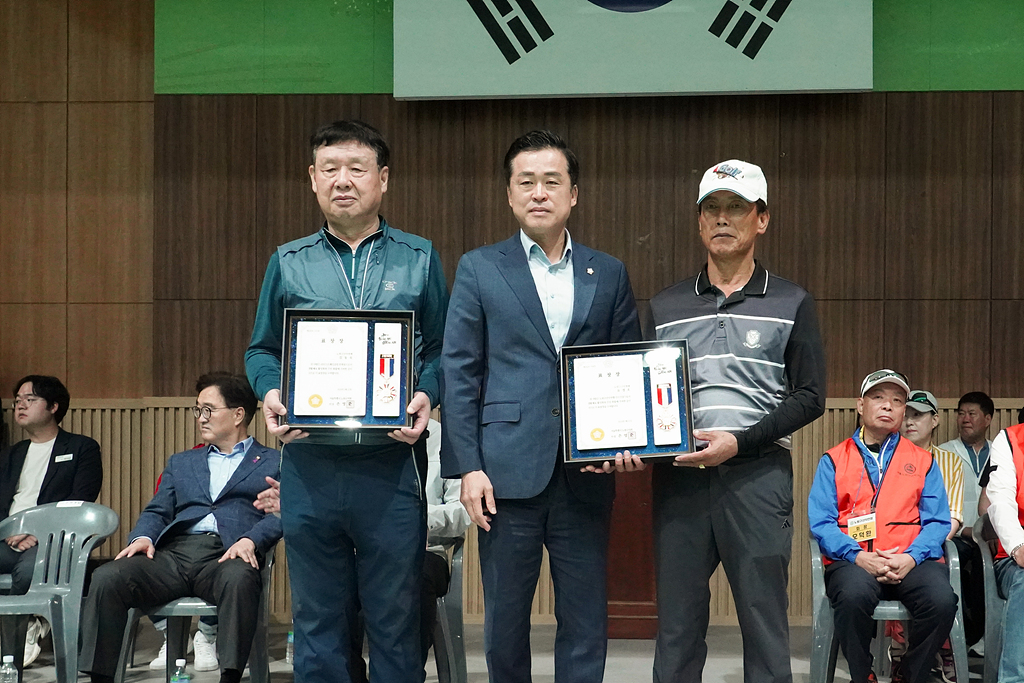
51,465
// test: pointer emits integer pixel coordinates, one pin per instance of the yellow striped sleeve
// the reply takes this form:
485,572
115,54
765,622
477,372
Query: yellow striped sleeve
953,476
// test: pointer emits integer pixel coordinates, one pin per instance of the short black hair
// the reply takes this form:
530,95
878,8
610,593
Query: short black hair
1020,416
49,388
981,398
235,389
351,131
536,140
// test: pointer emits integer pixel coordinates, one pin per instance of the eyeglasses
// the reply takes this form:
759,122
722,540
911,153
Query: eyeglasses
206,411
27,400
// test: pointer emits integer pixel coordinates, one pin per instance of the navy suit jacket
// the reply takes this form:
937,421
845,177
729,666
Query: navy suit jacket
501,411
76,478
184,498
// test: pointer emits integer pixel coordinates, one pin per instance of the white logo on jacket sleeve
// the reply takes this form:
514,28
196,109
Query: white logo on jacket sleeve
753,339
389,286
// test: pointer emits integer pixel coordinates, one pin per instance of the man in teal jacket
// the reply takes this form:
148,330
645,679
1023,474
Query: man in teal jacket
352,505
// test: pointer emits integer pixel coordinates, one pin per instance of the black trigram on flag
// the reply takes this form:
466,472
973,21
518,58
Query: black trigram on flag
742,26
495,25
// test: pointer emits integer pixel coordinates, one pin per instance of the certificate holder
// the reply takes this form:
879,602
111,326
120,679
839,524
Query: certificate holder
632,396
347,369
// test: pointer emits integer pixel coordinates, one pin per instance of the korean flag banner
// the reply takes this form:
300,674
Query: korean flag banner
535,48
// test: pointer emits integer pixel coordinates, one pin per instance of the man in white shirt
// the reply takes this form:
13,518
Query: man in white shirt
49,466
1006,494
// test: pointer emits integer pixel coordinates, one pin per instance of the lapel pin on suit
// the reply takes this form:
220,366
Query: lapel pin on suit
256,459
590,271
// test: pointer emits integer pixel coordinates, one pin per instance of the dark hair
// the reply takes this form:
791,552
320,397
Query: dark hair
351,131
979,397
235,389
50,388
762,208
1020,416
536,140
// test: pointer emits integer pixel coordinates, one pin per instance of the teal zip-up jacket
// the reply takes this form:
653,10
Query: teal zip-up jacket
394,271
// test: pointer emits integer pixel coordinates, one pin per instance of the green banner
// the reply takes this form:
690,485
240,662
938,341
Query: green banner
346,46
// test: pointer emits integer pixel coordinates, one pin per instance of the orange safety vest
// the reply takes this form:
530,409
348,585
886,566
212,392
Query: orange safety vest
896,501
1015,435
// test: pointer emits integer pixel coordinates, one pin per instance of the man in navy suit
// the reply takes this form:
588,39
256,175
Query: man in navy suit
50,466
201,535
513,306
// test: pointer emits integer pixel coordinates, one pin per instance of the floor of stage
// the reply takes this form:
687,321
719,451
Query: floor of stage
629,661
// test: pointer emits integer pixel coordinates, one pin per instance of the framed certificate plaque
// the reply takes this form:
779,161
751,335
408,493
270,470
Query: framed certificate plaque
633,396
347,369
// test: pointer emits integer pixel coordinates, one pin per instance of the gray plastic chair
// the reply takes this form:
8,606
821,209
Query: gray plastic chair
179,615
449,645
67,533
995,605
825,647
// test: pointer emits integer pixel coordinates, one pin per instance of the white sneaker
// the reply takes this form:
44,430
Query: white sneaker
160,663
37,630
206,653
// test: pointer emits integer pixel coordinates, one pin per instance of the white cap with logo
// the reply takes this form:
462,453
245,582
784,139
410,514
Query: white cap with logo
745,179
882,377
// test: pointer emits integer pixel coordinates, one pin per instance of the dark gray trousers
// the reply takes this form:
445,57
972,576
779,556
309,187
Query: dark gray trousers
184,566
739,514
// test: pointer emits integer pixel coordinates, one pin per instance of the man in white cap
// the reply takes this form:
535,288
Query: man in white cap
757,372
878,510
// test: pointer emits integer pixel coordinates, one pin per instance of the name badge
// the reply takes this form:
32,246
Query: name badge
861,528
64,458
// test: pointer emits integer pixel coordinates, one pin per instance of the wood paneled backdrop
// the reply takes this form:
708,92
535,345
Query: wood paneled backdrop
134,230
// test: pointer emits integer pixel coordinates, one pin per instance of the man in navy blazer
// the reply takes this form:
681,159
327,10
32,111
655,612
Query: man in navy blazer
200,535
513,306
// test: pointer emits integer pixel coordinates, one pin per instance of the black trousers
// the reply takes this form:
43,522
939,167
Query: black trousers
972,582
925,592
186,565
19,565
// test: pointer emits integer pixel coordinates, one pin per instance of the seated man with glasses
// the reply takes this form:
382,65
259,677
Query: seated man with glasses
201,535
879,512
49,466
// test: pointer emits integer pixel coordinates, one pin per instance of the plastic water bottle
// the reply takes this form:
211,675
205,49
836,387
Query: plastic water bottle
181,675
8,672
289,650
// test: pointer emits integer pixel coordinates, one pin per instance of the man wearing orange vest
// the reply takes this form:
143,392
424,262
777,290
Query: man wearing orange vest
879,512
1006,494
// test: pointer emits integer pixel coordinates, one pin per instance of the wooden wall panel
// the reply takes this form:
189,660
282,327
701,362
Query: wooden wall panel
938,198
287,207
427,170
943,346
632,592
33,51
829,197
33,341
1007,348
33,203
1008,196
110,350
627,202
205,210
710,130
490,128
110,202
194,337
110,50
852,332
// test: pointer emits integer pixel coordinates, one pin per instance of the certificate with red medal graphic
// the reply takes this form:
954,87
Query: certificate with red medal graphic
633,396
347,369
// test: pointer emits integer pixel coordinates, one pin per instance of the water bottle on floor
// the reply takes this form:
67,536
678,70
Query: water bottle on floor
8,672
180,675
289,649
